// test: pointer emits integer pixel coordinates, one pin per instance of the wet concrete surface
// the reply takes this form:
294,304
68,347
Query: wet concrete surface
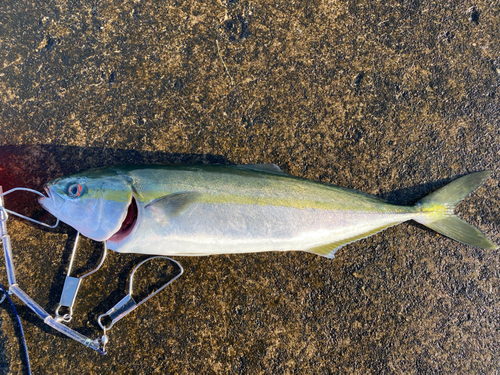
392,98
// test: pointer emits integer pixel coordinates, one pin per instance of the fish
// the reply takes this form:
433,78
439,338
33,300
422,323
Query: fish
203,210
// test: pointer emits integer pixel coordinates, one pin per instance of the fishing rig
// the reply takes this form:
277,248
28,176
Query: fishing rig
71,286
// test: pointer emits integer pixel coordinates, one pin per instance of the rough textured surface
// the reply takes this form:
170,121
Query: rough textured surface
390,97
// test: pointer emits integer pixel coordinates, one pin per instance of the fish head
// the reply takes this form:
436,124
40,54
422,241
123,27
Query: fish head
95,205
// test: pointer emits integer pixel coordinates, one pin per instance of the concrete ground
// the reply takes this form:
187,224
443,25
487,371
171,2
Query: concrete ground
394,98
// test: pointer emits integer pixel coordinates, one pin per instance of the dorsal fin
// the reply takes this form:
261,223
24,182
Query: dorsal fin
268,168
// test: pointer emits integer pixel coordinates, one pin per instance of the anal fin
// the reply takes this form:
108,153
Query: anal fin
330,249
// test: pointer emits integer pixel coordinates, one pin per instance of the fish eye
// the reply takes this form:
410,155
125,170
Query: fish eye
74,190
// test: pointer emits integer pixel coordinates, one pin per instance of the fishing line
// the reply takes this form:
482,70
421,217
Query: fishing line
26,217
23,339
70,289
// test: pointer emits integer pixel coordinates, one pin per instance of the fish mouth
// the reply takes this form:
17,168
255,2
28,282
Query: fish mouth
47,191
52,202
128,223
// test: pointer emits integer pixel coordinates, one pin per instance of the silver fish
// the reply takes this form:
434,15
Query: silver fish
203,210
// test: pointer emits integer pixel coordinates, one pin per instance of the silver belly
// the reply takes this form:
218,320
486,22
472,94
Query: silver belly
215,228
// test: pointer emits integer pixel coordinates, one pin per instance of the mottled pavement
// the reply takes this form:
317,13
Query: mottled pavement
394,98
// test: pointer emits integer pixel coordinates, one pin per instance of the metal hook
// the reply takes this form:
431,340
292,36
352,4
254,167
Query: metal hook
27,300
72,284
4,210
128,304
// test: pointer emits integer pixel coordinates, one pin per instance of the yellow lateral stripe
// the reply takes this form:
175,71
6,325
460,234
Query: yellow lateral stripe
373,206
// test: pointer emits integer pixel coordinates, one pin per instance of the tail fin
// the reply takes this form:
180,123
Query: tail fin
441,205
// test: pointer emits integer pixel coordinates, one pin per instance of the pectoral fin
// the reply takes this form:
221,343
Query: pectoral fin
171,205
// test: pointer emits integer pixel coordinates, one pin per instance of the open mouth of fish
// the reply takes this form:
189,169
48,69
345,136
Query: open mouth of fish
128,223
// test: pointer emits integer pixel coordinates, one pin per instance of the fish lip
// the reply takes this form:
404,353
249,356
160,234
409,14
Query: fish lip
128,223
41,200
47,191
53,202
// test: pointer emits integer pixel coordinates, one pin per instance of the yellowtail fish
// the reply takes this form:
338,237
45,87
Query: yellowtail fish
203,210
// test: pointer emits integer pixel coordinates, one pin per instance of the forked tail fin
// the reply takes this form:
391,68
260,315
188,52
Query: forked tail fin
441,205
